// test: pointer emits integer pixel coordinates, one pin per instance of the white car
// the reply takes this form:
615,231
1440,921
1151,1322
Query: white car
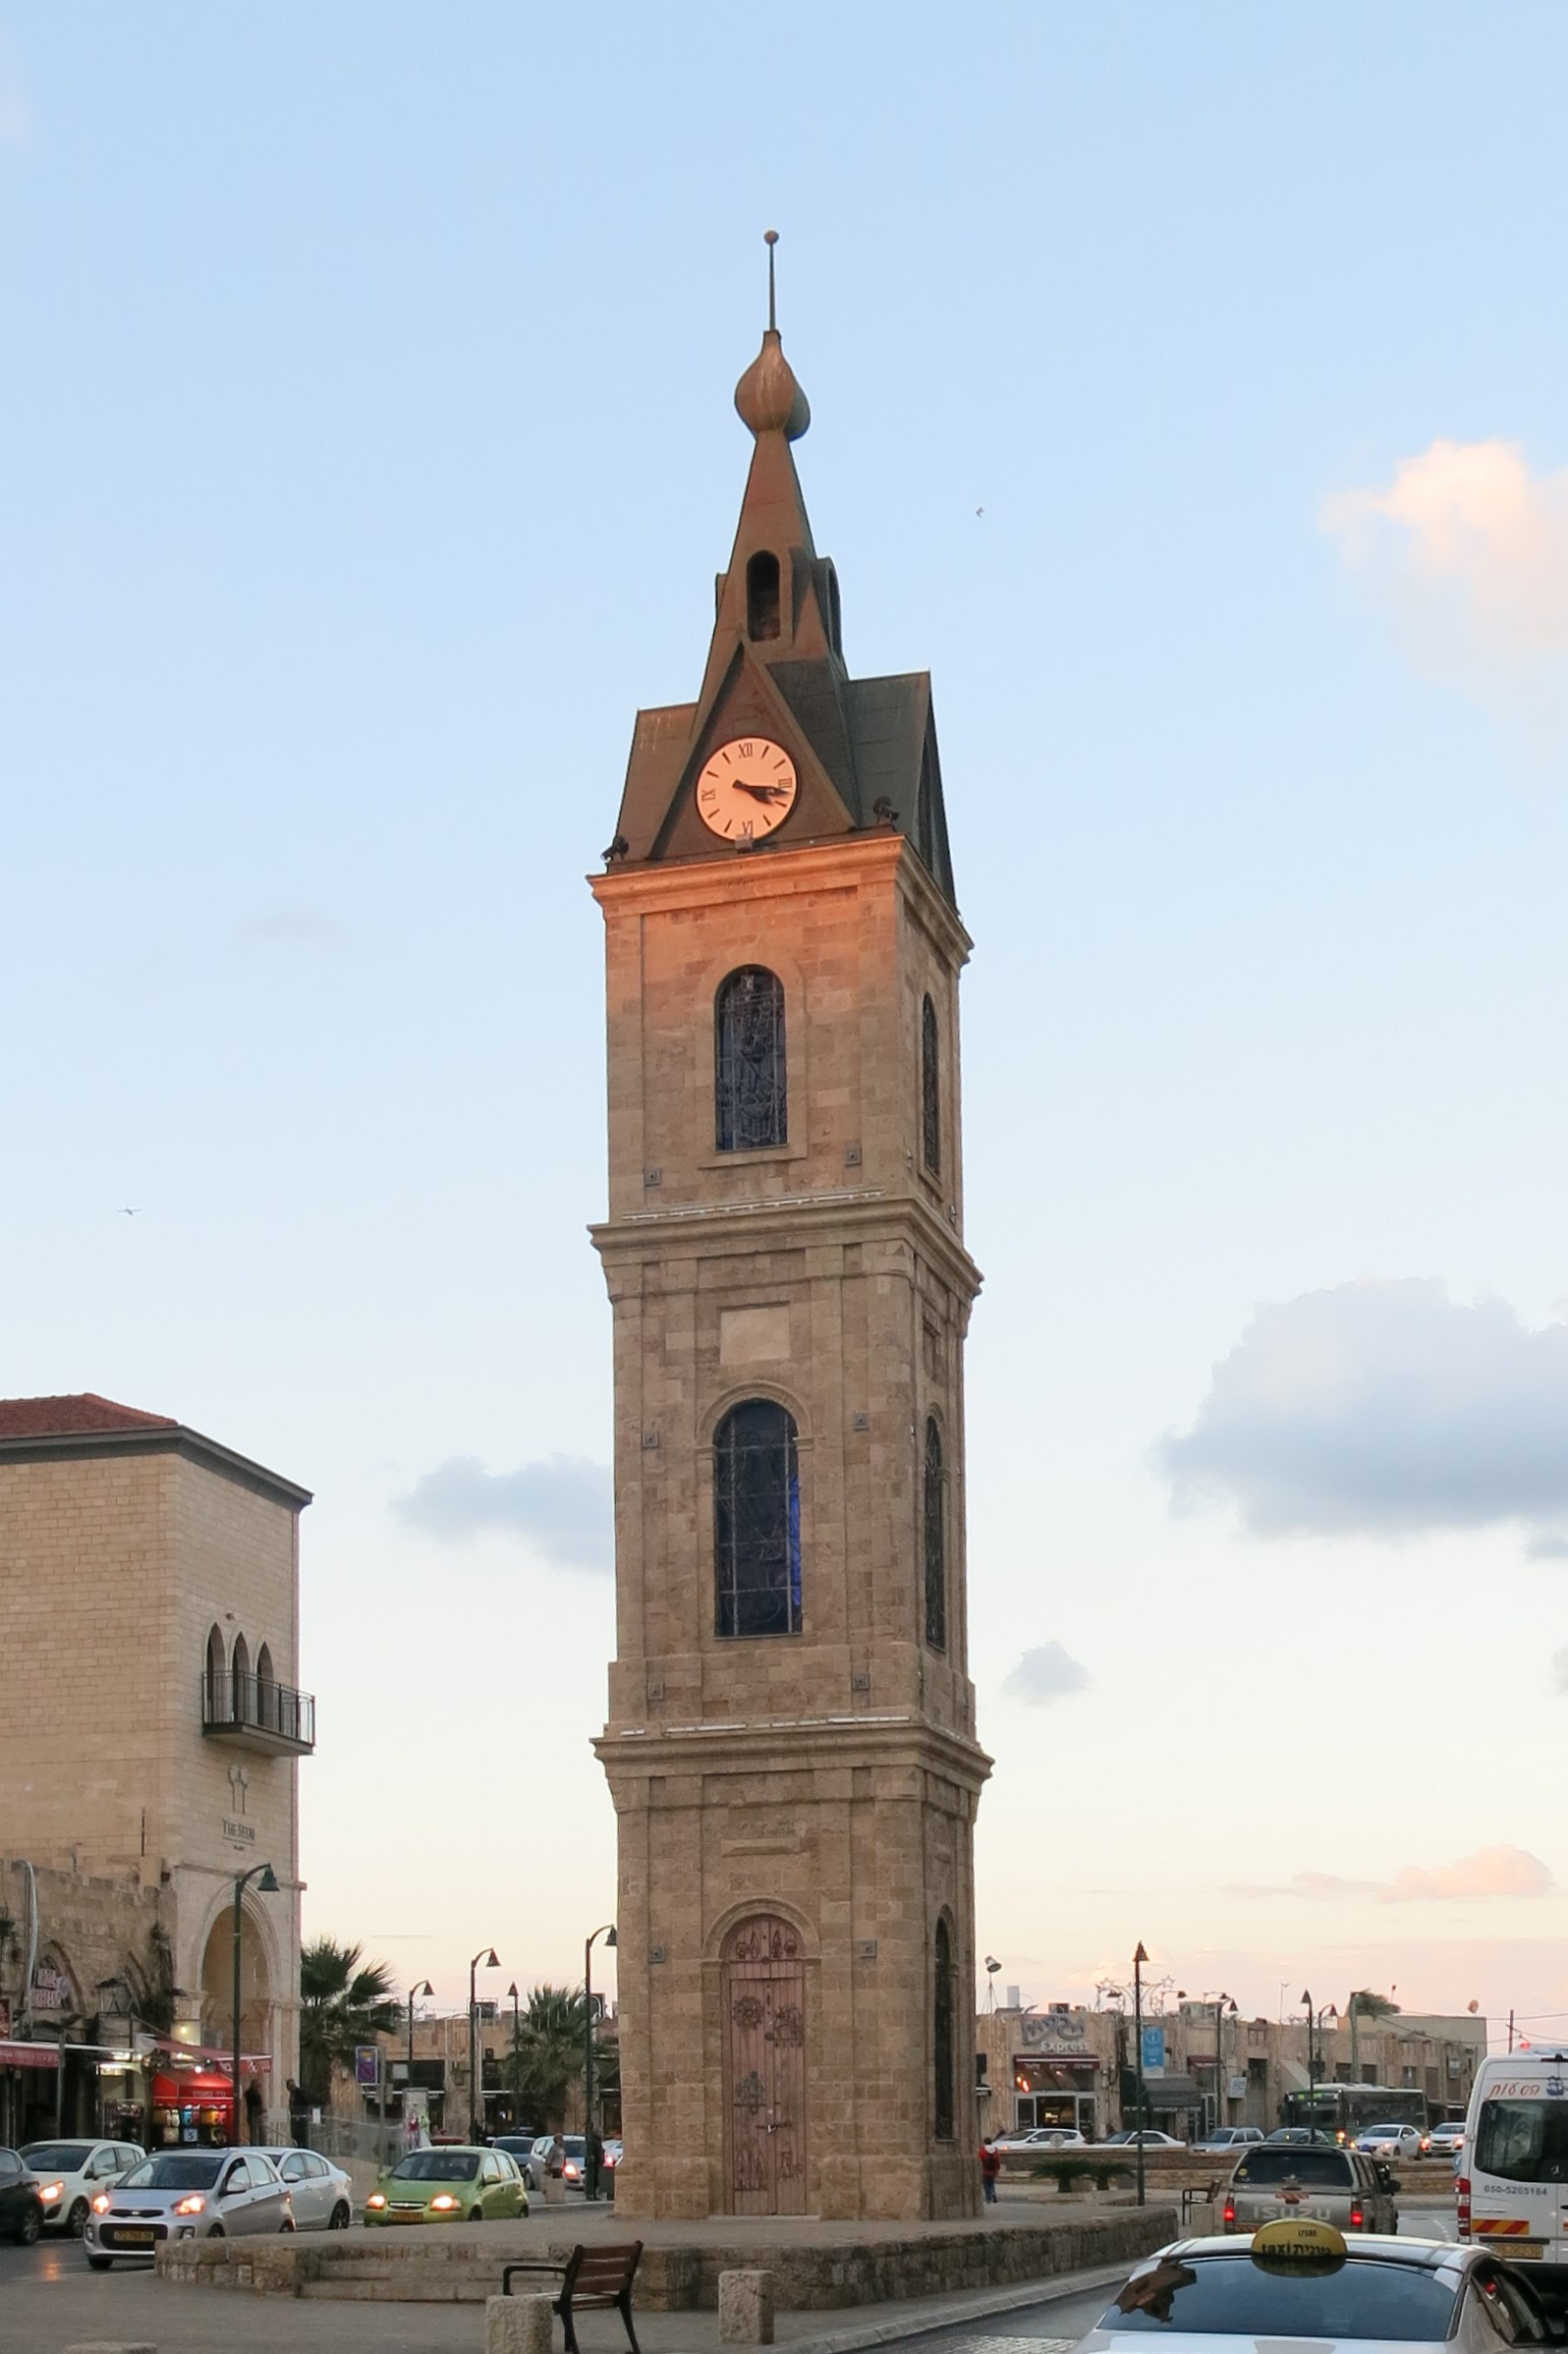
1390,2141
185,2195
1446,2141
1299,2280
1042,2137
321,2193
1231,2137
70,2173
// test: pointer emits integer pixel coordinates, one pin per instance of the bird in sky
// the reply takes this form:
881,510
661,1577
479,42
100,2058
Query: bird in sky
130,1214
979,510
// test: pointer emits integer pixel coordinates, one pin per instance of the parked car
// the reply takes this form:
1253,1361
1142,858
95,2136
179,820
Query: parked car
71,2172
1151,2139
1042,2137
1231,2137
185,2195
21,2208
613,2152
1299,2136
1389,2141
1446,2141
572,2145
517,2147
449,2186
1334,2186
1316,2285
321,2192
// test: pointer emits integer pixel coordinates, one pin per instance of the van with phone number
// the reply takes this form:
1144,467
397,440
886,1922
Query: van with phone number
1511,2192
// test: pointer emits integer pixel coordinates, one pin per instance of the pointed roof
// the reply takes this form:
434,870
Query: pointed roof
80,1424
865,749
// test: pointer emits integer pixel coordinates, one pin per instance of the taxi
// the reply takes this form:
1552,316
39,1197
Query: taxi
1302,2278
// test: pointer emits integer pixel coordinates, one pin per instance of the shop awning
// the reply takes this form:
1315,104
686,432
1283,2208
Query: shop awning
30,2055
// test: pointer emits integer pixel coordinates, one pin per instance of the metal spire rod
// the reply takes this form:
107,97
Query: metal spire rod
771,240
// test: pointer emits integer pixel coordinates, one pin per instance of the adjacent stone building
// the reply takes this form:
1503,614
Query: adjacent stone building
790,1738
149,1752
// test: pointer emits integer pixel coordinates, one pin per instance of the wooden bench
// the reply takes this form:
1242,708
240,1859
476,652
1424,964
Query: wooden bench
592,2278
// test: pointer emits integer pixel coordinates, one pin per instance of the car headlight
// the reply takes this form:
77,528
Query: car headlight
443,2203
570,2171
101,2205
376,2199
49,2191
192,2206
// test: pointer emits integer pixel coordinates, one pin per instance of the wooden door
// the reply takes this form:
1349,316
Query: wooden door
763,1993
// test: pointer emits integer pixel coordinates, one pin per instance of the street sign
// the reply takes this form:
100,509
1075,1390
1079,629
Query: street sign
1153,2051
368,2067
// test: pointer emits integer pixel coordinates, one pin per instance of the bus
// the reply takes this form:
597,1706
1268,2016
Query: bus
1346,2109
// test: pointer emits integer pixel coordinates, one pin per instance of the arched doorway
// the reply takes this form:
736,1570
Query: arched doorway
762,1980
217,2018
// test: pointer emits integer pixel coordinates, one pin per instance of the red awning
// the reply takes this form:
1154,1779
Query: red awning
30,2055
196,2084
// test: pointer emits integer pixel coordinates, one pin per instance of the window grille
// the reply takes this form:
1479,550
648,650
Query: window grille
757,1521
931,1090
943,2036
751,1089
935,1540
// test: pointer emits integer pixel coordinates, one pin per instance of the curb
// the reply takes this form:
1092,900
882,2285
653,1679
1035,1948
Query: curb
975,2306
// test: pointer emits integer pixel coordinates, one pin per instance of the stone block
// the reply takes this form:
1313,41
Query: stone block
746,2308
516,2325
113,2345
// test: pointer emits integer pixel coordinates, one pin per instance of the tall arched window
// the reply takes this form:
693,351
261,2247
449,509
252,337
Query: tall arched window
942,2037
935,1539
761,595
217,1678
931,1090
750,1093
240,1708
266,1690
757,1521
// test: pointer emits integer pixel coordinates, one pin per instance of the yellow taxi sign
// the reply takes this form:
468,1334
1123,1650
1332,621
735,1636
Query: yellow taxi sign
1299,2240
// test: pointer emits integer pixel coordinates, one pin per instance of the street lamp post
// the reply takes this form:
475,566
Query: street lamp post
423,1988
267,1882
591,2183
1139,1959
517,2039
1220,2001
488,1957
1311,2063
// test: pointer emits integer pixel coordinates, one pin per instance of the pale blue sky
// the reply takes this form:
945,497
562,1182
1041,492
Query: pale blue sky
365,458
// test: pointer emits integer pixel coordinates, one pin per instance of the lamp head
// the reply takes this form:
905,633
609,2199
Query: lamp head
493,1960
512,1990
610,1937
425,1988
267,1884
993,1963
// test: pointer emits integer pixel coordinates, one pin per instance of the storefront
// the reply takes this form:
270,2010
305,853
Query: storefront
30,2092
191,2105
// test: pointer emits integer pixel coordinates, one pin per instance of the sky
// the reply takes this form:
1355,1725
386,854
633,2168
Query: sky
1188,393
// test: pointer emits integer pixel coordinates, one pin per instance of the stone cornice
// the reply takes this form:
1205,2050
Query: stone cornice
732,1747
74,1445
849,1215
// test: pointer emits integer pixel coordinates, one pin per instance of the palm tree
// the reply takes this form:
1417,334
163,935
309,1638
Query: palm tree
546,2054
342,2002
1364,2005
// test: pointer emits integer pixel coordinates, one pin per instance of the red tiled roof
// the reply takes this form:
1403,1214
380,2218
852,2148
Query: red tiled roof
73,1416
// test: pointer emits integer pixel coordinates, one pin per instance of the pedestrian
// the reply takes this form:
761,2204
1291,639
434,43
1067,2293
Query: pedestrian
990,2161
593,2160
252,2112
298,2114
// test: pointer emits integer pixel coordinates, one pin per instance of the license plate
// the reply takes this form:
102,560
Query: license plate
126,2235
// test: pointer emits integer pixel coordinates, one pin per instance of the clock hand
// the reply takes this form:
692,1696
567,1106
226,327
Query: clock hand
757,792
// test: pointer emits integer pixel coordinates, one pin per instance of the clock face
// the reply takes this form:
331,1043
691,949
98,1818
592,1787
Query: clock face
747,789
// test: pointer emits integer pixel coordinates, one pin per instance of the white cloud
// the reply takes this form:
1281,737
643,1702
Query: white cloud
1382,1409
563,1507
1045,1674
1467,521
1491,1872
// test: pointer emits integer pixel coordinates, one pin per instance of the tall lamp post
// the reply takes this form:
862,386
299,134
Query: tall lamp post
607,1932
517,2039
486,1956
1220,2001
1139,1959
423,1988
266,1882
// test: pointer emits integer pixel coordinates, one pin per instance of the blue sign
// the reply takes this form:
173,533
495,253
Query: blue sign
1154,2050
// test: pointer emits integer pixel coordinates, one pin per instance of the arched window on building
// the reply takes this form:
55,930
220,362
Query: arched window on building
216,1702
931,1090
239,1697
750,1093
757,1521
935,1539
762,595
942,2106
266,1690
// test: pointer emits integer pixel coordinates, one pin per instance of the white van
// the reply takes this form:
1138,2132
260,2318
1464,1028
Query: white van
1512,2187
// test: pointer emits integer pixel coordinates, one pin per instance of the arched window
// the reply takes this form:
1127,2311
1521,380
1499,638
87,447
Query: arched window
935,1536
835,616
942,2037
217,1678
751,1092
761,595
931,1090
240,1708
757,1521
266,1690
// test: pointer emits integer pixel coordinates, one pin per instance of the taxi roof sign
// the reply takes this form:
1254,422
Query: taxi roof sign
1297,2241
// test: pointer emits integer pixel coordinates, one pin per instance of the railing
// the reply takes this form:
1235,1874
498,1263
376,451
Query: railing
247,1703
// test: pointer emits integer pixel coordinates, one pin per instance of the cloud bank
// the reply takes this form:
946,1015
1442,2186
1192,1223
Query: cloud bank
1383,1409
1491,1872
563,1507
1045,1674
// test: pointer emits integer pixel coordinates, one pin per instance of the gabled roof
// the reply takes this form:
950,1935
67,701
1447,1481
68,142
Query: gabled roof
80,1424
73,1416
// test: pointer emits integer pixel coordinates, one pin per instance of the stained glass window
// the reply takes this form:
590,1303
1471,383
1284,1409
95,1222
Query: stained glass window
943,2036
935,1517
931,1090
757,1521
751,1089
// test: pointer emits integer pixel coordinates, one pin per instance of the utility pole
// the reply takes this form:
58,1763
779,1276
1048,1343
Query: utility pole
1139,1959
1510,2030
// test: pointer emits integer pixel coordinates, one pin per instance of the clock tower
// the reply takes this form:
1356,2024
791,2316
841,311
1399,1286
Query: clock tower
790,1743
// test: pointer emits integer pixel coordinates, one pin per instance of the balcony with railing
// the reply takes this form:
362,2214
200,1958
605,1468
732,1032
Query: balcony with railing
254,1712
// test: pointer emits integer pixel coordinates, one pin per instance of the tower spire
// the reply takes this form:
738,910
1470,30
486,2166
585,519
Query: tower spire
771,240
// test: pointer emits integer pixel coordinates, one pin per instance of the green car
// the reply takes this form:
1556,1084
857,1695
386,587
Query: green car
449,2186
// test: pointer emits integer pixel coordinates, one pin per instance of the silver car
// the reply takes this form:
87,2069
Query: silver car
187,2195
1332,2186
321,2193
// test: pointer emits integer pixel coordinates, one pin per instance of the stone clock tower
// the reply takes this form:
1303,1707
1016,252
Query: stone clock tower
790,1738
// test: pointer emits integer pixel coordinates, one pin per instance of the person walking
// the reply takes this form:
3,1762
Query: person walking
298,2114
593,2160
990,2161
